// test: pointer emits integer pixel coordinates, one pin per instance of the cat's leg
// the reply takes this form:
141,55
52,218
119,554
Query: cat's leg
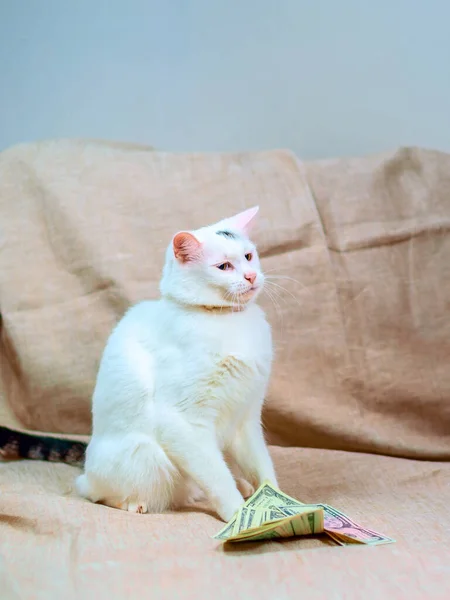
245,487
131,473
90,488
93,489
196,452
136,507
249,450
186,493
133,506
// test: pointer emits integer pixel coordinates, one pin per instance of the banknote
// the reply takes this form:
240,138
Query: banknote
250,517
261,518
268,495
256,537
270,513
308,522
226,531
344,530
260,508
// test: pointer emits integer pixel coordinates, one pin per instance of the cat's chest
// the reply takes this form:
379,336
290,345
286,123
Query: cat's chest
233,348
223,385
218,364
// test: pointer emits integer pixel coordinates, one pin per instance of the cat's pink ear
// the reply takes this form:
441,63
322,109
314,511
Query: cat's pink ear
243,221
186,247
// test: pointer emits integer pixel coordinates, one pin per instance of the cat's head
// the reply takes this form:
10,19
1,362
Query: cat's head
215,266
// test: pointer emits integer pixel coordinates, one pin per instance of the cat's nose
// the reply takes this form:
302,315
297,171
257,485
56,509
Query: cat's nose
250,276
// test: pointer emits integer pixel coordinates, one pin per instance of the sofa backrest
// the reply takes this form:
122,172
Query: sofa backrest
360,251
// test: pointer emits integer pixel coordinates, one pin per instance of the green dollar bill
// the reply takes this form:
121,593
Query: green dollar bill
270,513
267,495
226,531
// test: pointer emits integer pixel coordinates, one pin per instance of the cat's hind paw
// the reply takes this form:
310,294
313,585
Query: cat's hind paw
137,507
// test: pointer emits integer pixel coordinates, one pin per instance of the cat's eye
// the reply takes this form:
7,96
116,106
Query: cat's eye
225,266
249,256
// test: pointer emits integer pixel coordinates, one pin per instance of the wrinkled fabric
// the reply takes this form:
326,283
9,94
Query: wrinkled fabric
357,257
55,544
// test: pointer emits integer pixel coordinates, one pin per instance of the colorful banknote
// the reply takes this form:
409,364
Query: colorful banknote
270,513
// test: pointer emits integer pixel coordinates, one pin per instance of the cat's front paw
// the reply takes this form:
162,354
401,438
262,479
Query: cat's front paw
268,475
246,488
226,511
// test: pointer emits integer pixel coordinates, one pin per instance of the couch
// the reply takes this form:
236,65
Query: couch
358,411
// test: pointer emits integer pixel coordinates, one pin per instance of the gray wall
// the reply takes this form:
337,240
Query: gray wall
323,77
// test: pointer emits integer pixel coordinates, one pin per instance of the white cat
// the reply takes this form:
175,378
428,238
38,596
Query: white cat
183,379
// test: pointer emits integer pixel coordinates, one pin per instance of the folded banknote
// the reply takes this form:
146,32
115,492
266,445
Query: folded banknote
270,513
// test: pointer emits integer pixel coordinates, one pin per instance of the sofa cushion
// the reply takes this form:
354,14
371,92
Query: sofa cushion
53,544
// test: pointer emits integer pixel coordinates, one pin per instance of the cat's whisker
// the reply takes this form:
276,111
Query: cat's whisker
271,295
236,297
233,296
278,298
277,301
276,285
270,277
277,307
275,291
271,270
278,291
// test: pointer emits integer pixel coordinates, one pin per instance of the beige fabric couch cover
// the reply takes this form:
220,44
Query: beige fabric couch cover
358,412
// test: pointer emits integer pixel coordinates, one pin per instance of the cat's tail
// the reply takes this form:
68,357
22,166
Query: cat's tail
17,444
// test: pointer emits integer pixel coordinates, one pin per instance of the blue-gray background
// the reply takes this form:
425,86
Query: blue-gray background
323,77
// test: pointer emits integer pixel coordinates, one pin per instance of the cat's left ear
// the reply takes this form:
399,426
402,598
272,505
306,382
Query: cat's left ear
186,247
243,221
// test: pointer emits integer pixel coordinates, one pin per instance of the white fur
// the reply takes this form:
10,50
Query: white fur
183,379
